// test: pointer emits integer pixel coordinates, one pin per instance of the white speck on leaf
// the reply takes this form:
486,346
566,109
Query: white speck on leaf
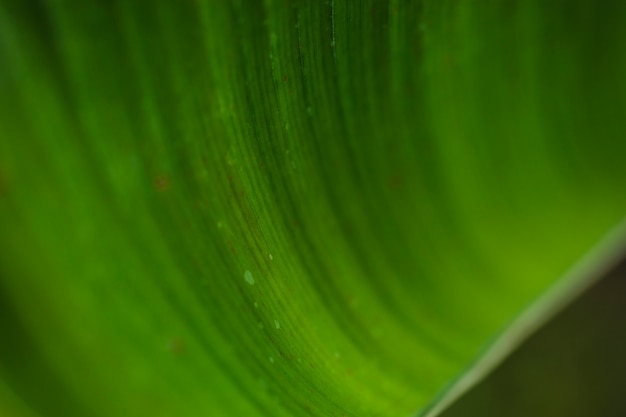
248,276
277,324
271,257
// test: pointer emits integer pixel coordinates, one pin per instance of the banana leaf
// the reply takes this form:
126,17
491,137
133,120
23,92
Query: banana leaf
296,208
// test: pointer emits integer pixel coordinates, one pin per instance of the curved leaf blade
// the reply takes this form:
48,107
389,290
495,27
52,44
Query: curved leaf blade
267,208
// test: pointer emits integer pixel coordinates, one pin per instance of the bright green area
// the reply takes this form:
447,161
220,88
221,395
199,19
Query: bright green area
291,208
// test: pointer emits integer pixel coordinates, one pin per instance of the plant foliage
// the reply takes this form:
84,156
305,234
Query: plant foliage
294,208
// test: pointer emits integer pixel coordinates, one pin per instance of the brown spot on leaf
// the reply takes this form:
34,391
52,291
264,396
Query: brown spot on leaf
162,183
176,346
395,181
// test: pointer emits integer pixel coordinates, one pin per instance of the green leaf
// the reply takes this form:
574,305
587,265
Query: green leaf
296,208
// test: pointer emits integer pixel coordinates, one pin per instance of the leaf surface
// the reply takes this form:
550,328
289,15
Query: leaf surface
295,208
